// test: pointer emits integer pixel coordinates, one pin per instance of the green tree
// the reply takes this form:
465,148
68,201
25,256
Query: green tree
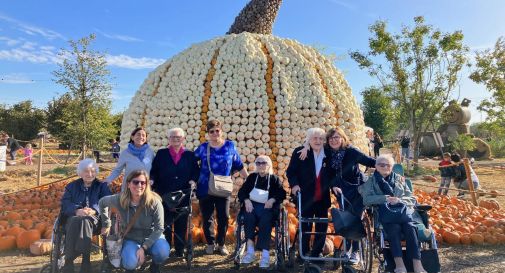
84,74
22,120
490,71
56,124
378,111
418,67
463,143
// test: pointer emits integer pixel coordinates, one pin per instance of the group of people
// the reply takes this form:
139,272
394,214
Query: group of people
452,169
326,163
13,147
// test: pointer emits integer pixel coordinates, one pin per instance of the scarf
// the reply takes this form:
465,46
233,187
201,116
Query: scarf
386,184
337,156
138,152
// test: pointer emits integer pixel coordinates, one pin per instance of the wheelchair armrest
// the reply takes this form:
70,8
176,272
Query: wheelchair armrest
423,207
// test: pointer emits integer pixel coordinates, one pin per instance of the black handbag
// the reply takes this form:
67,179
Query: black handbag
394,214
346,223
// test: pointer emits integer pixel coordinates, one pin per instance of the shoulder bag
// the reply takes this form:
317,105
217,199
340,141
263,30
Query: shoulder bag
219,185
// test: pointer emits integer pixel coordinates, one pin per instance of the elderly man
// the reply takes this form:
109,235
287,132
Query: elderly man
175,168
312,177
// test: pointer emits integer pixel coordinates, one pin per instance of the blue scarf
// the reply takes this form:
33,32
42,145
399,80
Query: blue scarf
386,184
337,156
138,152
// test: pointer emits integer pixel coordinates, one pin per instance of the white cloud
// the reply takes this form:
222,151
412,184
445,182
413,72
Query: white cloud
9,41
125,61
15,79
28,55
120,37
32,30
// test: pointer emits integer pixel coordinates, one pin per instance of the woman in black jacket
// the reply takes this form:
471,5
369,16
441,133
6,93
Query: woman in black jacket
173,169
262,193
313,178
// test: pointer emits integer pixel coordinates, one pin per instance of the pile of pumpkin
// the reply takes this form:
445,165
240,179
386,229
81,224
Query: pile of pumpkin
456,221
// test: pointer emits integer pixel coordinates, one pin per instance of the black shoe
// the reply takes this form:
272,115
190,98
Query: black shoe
85,267
154,268
68,267
178,254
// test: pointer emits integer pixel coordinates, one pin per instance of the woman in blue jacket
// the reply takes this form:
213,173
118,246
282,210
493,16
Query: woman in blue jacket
79,208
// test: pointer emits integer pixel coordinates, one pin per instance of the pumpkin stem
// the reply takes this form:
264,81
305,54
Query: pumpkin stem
258,16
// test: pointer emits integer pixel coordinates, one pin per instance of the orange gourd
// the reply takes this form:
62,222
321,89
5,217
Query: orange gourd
477,238
25,239
451,237
7,242
14,231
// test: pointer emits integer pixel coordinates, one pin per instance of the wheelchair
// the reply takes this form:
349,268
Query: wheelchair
57,254
337,259
281,238
171,201
426,238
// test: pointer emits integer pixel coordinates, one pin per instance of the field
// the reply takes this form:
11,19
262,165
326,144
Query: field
454,258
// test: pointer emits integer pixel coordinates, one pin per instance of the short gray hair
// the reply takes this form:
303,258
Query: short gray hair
385,158
85,163
177,129
269,163
313,131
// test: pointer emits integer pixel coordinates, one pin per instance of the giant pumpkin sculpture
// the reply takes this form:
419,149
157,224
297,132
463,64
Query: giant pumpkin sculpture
267,91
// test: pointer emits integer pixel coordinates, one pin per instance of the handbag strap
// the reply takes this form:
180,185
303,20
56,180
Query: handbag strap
268,181
208,157
135,216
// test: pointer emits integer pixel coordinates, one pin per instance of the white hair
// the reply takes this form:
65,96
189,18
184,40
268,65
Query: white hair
177,129
269,163
86,163
385,158
313,131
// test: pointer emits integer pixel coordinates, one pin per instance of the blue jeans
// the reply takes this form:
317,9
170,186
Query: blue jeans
445,183
159,252
409,231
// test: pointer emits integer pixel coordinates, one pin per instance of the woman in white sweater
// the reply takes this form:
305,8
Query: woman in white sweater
137,156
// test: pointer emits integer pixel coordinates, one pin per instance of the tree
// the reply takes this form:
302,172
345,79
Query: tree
378,111
418,68
490,70
463,143
22,120
84,74
56,124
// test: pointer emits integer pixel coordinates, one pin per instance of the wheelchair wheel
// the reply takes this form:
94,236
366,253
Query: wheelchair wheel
57,253
46,269
240,242
189,244
282,241
311,268
366,247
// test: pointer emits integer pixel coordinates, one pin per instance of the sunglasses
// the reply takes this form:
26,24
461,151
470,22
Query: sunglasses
335,138
175,137
137,182
259,163
216,131
383,165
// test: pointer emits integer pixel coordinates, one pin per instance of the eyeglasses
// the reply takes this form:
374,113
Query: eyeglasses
176,137
259,163
216,131
335,138
384,165
137,182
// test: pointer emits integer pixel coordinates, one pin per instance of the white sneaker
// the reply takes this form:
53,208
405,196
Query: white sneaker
210,249
223,250
265,262
355,258
248,258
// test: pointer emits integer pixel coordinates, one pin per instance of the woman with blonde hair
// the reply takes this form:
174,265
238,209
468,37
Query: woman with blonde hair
262,193
146,234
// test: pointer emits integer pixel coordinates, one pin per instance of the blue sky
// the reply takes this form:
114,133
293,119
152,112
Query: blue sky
139,35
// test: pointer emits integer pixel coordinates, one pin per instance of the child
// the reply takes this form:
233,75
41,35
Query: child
28,151
115,150
446,172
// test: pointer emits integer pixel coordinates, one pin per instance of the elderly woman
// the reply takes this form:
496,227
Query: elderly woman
79,207
312,176
345,160
386,187
224,160
146,234
175,168
137,156
262,193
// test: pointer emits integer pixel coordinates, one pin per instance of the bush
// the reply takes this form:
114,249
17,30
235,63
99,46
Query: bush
497,147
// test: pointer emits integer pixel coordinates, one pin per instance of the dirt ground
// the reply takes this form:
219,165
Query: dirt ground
454,258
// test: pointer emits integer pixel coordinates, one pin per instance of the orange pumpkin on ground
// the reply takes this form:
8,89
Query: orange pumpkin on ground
7,242
25,239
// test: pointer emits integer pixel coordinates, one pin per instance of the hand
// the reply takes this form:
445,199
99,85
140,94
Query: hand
303,153
337,190
248,205
295,189
105,231
89,211
81,212
141,256
392,200
269,203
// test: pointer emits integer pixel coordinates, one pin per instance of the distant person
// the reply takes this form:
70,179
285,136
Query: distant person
405,144
115,149
28,152
377,144
460,177
12,146
446,172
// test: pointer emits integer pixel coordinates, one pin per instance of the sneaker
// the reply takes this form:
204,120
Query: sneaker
210,249
265,262
178,254
248,258
223,250
354,259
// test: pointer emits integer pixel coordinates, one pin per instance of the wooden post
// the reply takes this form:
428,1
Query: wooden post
39,173
466,163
